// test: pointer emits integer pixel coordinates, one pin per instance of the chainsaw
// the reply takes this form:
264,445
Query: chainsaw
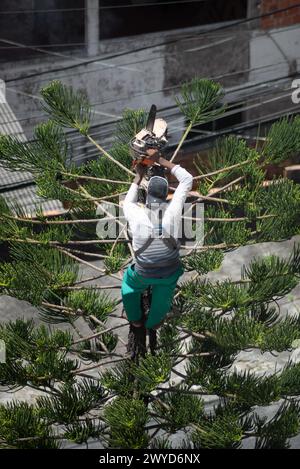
154,135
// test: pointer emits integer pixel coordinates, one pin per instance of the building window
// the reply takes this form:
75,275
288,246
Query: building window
119,22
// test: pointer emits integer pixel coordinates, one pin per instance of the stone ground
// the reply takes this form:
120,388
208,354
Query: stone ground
252,359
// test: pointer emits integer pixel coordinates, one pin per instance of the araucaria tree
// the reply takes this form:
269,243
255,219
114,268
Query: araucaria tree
131,404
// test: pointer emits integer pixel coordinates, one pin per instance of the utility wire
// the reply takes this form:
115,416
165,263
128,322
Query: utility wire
248,124
109,124
217,134
216,77
178,115
77,44
88,154
105,66
101,7
139,49
229,91
235,129
124,65
232,112
132,38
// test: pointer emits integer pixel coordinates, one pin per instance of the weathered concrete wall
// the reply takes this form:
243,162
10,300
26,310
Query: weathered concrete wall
154,74
134,80
275,54
209,55
277,46
115,22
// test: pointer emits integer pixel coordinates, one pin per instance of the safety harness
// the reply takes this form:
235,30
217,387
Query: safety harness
167,239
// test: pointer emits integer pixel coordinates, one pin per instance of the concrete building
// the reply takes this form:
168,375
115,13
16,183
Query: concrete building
255,59
256,62
54,22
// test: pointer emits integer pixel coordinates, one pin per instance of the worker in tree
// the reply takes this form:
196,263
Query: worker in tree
155,228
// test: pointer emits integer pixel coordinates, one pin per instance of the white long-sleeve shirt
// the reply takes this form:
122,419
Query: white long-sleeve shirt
157,260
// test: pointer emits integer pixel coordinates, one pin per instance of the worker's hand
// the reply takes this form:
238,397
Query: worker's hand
153,154
140,169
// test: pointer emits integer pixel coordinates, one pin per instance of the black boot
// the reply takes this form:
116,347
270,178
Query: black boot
152,340
136,346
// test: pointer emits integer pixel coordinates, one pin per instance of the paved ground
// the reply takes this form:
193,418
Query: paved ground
253,360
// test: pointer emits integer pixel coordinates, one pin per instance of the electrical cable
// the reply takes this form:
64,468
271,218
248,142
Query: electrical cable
235,129
217,77
230,91
238,110
124,65
103,7
78,44
171,41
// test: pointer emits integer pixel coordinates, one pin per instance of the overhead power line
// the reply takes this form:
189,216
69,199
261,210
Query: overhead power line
121,66
139,49
111,123
78,44
231,110
90,150
126,64
235,129
21,117
268,86
101,7
245,100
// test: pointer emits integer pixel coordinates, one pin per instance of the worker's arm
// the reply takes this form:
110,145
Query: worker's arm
130,202
185,180
167,164
132,194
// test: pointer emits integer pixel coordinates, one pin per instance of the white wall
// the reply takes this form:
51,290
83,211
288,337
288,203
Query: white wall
270,48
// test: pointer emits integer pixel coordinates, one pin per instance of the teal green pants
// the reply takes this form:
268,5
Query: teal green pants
134,285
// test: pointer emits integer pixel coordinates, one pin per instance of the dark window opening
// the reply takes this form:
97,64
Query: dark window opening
59,30
119,22
56,24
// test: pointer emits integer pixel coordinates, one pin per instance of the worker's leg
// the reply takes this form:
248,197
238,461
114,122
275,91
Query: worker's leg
161,301
132,289
162,296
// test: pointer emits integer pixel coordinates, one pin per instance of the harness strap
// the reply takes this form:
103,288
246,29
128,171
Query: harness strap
169,241
166,238
144,246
